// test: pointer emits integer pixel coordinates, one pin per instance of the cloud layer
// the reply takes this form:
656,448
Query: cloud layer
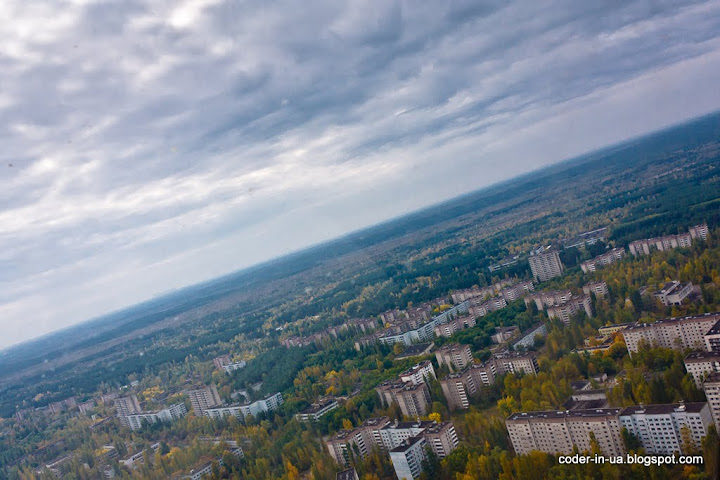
148,145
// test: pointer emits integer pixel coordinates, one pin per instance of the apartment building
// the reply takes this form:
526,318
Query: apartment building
600,289
557,432
441,438
505,262
455,355
481,309
712,338
548,298
545,265
660,427
232,366
503,334
136,420
419,373
712,392
673,293
517,291
315,411
565,311
515,362
450,328
677,333
408,457
414,400
528,338
702,364
267,404
645,246
612,256
203,398
482,293
459,387
125,406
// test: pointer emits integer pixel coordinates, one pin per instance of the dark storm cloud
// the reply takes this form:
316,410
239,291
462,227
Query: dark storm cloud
150,144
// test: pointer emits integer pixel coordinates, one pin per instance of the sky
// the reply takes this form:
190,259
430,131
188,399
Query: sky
149,145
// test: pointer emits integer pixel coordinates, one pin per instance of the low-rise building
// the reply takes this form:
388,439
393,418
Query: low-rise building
232,366
662,429
673,293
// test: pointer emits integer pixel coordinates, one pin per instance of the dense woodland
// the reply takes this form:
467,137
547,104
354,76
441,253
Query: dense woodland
444,256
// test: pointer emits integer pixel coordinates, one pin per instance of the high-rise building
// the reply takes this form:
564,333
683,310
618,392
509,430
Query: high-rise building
125,406
712,392
702,364
407,458
565,311
203,398
614,255
676,333
557,432
600,288
515,362
173,412
419,373
414,400
664,429
545,265
455,355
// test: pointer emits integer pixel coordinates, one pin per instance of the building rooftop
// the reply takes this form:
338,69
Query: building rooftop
702,356
349,474
437,427
715,328
316,407
372,422
556,414
664,409
407,443
416,350
639,325
713,377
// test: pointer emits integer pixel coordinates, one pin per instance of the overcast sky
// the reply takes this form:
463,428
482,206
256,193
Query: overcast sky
148,145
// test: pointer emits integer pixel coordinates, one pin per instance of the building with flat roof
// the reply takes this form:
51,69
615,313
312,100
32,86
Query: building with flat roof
503,334
712,338
565,311
660,427
607,258
455,355
203,398
416,350
545,265
548,298
557,432
673,293
413,399
600,289
349,474
407,458
221,361
317,410
528,338
676,333
515,362
455,325
232,366
125,406
419,373
702,364
711,386
173,412
647,245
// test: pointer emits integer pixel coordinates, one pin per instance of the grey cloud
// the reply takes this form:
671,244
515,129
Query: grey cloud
141,133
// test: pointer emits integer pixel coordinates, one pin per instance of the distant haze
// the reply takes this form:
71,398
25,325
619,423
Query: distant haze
149,145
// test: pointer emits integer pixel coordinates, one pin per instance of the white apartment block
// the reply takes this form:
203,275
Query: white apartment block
515,363
125,406
659,427
712,392
459,387
450,328
600,289
173,412
645,246
455,355
557,432
203,398
419,373
545,265
408,457
316,410
677,333
702,364
614,255
267,404
517,291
